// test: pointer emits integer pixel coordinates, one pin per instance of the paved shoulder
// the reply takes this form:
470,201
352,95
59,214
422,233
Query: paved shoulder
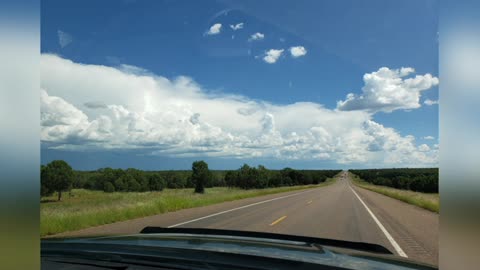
415,229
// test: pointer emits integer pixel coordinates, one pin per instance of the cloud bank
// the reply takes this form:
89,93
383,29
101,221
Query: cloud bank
98,107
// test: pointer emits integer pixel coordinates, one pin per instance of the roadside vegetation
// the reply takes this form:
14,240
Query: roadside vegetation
429,201
109,195
133,180
417,179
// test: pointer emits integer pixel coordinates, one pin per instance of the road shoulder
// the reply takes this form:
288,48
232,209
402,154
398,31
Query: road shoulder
415,229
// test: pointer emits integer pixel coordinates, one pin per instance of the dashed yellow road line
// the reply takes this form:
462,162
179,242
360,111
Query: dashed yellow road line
309,202
278,220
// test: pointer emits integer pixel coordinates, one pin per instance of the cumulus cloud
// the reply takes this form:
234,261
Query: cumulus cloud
99,107
429,138
237,26
430,102
215,29
64,123
272,55
387,90
256,36
424,148
297,51
64,39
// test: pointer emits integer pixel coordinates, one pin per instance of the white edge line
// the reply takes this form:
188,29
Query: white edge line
395,245
238,208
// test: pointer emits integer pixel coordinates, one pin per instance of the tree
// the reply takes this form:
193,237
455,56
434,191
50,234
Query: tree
120,185
44,190
200,175
174,180
131,183
244,176
262,179
108,187
57,176
287,174
275,179
230,179
140,178
156,182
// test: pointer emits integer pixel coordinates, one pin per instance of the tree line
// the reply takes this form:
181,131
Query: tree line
247,177
58,176
415,179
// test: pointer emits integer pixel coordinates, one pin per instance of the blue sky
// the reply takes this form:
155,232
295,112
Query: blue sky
343,41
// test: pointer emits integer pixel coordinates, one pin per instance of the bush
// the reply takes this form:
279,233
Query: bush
120,184
140,179
156,182
130,183
230,178
175,181
108,187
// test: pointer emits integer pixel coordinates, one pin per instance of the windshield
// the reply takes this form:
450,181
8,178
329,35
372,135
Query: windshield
304,118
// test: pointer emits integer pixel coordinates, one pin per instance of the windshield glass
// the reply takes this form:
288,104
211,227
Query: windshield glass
305,118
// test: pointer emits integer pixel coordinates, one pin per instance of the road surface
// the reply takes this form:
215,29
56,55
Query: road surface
338,211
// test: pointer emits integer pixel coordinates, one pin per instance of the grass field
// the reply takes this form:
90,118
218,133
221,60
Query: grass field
88,208
427,201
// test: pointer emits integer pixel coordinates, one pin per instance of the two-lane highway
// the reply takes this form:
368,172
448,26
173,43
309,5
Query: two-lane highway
338,211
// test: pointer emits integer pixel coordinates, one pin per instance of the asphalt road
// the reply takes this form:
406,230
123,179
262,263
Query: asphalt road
338,211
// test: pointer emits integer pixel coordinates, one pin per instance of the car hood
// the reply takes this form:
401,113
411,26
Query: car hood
268,247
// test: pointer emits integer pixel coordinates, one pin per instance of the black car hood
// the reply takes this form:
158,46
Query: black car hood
284,247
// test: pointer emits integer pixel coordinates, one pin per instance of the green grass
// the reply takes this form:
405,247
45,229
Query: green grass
88,208
429,201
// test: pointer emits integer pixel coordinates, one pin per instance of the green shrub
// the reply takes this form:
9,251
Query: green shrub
108,187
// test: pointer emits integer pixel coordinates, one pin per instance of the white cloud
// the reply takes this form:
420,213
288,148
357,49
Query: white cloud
256,36
215,29
237,26
297,51
424,148
387,90
272,55
429,138
64,38
99,107
430,102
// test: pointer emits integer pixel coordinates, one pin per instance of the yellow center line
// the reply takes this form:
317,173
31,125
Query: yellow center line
278,220
310,202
